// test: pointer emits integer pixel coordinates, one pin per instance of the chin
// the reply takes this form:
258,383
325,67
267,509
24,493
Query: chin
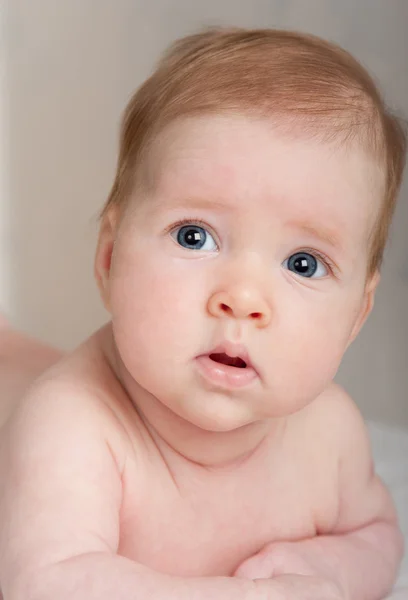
222,420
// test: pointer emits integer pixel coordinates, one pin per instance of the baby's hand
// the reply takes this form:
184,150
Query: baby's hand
298,587
278,558
285,560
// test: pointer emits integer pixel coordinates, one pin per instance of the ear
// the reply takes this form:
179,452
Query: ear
367,304
103,255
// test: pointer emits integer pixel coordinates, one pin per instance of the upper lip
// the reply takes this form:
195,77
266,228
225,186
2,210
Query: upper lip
233,350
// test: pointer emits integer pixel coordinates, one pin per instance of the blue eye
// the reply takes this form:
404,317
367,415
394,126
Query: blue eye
305,265
194,237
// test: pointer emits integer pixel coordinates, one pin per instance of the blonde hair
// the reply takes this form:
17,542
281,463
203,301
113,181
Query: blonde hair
300,81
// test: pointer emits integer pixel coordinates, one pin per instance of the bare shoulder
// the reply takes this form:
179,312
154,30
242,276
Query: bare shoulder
361,494
75,391
335,418
348,433
22,360
335,415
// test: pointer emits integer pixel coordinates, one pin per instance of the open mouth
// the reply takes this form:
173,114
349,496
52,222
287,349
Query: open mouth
226,371
232,361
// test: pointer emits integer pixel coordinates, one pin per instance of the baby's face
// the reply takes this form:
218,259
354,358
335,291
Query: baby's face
245,244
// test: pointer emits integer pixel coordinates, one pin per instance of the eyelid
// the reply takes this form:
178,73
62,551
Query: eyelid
192,221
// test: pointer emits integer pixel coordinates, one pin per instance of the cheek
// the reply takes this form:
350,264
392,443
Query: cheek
156,304
326,332
313,345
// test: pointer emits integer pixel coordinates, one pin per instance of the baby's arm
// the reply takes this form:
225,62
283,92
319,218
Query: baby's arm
363,552
61,463
22,360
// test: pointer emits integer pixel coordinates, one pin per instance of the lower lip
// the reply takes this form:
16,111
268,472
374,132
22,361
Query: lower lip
225,375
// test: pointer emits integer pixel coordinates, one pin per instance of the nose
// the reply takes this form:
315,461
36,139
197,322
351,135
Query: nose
240,303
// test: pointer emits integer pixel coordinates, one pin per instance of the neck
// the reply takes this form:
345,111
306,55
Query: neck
174,435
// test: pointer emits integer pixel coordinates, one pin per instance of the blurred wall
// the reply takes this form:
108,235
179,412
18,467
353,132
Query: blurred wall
66,72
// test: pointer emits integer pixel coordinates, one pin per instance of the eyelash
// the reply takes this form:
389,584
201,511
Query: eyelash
197,222
322,257
319,255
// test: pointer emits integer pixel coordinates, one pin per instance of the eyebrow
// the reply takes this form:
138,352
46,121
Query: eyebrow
325,234
193,202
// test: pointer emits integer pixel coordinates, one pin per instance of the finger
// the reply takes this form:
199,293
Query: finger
302,587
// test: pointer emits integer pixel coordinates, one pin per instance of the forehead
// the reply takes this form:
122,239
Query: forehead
243,164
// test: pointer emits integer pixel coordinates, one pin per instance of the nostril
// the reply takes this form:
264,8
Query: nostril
225,308
256,315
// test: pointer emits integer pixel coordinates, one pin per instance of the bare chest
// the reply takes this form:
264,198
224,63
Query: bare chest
201,526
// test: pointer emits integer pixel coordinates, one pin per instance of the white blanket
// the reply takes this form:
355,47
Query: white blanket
390,449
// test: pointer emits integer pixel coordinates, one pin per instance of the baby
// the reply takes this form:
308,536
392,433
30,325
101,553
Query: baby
196,446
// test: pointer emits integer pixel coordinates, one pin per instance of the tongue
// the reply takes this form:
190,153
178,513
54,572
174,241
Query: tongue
232,361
